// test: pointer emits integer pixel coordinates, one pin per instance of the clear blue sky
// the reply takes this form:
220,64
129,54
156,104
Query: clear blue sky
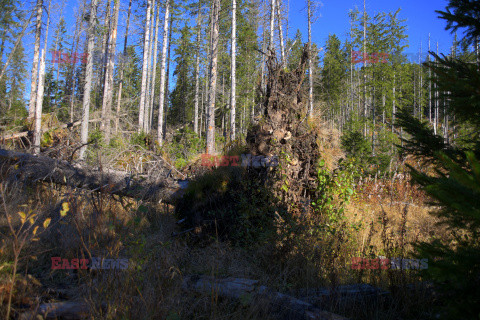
333,18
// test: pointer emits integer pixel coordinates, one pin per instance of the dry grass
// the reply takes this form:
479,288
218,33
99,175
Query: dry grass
103,226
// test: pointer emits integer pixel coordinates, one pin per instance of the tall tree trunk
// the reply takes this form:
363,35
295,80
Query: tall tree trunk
280,33
310,62
103,68
33,84
167,76
88,79
213,78
197,69
272,26
108,87
163,63
154,69
122,68
146,42
146,120
41,87
233,100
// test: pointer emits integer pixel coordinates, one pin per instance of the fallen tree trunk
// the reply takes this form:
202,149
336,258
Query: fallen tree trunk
278,305
63,310
29,168
63,126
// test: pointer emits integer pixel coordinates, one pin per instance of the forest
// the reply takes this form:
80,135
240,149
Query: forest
204,159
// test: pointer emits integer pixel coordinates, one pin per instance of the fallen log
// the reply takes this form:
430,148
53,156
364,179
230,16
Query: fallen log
31,169
274,304
63,310
63,126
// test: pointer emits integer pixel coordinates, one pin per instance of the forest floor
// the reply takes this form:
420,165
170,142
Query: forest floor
389,215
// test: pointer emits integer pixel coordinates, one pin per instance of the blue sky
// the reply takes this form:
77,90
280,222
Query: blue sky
420,15
333,18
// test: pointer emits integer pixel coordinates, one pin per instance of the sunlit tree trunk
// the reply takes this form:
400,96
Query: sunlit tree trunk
233,100
108,86
33,84
41,87
213,78
146,42
197,69
154,69
88,79
146,120
163,63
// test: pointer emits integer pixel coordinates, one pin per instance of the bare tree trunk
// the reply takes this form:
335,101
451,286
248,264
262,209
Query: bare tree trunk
197,68
108,87
38,109
141,115
162,73
234,68
88,79
310,62
33,84
213,78
120,87
154,69
146,120
41,87
167,76
272,25
280,32
103,70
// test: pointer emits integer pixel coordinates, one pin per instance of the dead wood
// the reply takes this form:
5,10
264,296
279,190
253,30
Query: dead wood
284,131
31,169
59,310
274,304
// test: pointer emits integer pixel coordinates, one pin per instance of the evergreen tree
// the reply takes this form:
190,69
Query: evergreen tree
455,186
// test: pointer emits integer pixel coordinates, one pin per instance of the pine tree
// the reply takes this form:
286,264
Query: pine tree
455,186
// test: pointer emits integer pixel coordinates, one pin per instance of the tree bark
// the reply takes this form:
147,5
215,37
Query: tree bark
233,100
41,87
108,86
280,32
197,69
146,120
213,78
146,42
88,79
154,69
163,63
33,84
